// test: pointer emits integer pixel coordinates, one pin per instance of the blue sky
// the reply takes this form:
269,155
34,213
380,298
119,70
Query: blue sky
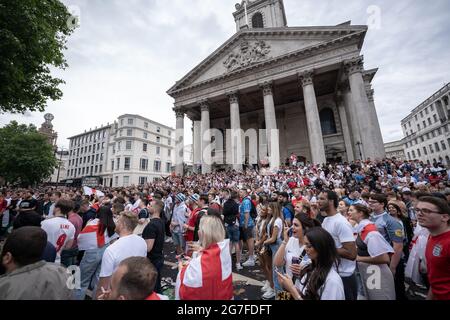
126,54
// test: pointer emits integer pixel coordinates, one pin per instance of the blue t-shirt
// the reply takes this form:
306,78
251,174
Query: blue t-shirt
246,206
287,214
389,227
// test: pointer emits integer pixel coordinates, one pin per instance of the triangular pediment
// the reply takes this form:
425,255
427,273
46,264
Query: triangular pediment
248,48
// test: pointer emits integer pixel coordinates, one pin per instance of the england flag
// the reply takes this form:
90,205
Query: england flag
208,276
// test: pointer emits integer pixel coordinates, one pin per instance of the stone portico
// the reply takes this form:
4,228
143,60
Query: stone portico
308,84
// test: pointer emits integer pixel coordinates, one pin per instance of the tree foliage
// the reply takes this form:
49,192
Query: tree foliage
32,39
27,157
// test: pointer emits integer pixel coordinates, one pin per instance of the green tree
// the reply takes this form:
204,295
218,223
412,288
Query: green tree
27,157
32,39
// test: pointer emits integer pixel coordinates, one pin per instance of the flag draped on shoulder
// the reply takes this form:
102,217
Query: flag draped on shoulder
209,276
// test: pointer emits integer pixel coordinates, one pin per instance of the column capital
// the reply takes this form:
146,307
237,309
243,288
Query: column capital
370,93
306,77
267,88
233,96
344,86
354,65
204,105
179,112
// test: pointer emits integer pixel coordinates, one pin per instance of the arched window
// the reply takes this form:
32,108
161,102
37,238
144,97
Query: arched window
327,122
257,20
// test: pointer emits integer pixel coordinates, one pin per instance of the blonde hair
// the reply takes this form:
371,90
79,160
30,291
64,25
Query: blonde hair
212,231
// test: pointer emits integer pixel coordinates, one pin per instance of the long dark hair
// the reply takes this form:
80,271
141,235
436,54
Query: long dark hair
307,222
105,216
317,272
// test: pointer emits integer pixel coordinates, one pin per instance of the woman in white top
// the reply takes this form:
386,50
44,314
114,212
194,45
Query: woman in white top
319,280
292,254
373,256
274,231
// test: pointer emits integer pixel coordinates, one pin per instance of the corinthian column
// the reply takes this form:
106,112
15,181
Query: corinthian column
206,138
236,135
273,140
179,142
313,118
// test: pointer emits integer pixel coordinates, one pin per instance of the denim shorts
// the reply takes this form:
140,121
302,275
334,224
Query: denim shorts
233,233
246,234
178,239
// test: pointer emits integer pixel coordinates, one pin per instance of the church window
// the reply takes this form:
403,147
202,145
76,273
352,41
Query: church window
257,20
327,121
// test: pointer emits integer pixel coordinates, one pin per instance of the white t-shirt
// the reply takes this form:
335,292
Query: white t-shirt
125,247
294,250
279,224
333,289
342,231
59,232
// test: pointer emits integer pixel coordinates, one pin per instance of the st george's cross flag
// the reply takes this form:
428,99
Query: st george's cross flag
208,276
89,191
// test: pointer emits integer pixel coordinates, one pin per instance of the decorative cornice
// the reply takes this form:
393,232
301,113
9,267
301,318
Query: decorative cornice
267,88
354,65
346,34
306,78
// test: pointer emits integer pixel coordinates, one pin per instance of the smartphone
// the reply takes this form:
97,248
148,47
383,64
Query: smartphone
290,232
296,260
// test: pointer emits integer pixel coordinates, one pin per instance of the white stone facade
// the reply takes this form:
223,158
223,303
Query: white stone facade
133,150
427,129
395,149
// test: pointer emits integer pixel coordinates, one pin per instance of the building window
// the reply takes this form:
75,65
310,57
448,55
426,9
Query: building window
431,148
409,156
127,164
426,110
158,139
126,181
432,108
439,131
112,165
101,168
145,135
97,157
169,142
257,20
170,133
424,124
130,122
422,139
146,125
121,124
129,132
444,147
436,145
142,180
418,153
118,164
169,152
421,114
143,165
101,157
116,181
119,144
435,118
157,166
425,150
128,145
144,147
414,154
327,122
120,133
96,169
418,127
158,150
168,166
429,121
158,129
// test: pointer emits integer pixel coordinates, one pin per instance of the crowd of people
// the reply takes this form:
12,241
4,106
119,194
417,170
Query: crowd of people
348,231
